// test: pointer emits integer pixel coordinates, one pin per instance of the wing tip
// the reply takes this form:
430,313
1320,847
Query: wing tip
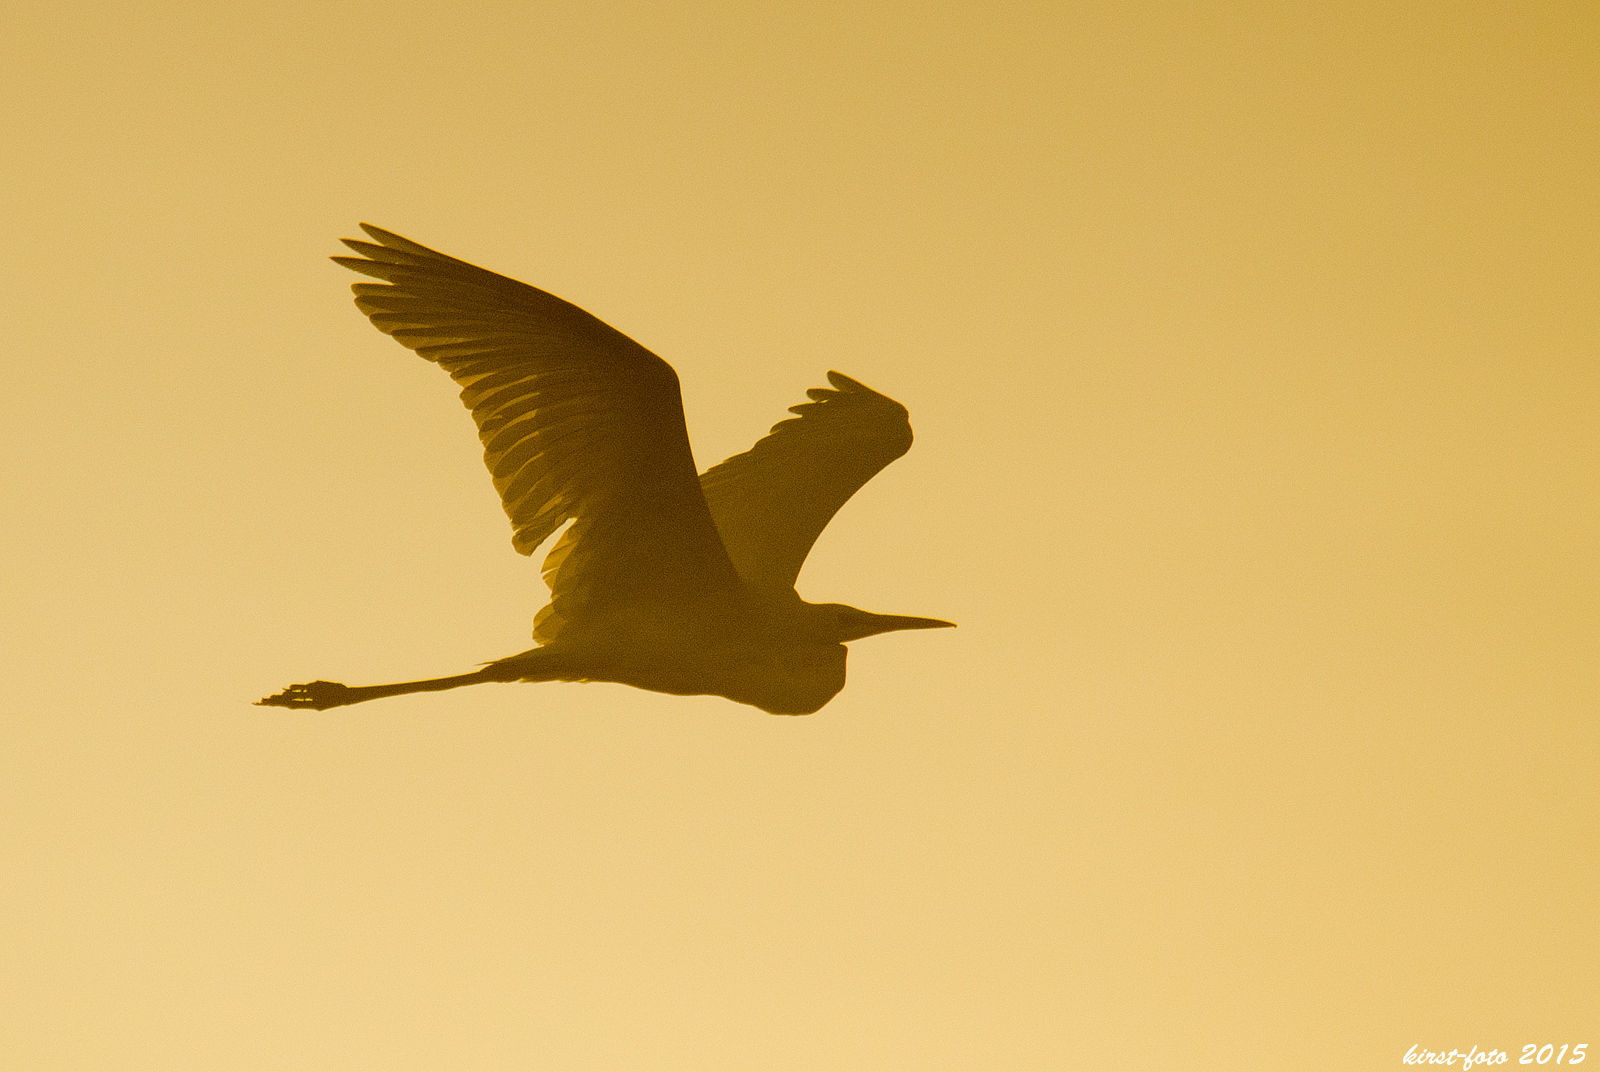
850,386
392,241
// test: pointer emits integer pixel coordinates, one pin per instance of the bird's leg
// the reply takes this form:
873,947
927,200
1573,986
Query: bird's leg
321,695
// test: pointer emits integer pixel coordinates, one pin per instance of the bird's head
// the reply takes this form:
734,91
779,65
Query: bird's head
841,623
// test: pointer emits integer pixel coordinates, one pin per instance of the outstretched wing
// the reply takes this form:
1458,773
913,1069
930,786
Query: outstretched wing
772,502
577,421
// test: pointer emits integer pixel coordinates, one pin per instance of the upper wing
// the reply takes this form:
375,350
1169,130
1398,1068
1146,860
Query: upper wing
772,502
577,421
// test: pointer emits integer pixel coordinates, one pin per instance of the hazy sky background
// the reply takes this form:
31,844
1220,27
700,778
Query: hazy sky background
1252,356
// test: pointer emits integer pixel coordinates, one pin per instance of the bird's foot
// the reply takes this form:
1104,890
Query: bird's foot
317,695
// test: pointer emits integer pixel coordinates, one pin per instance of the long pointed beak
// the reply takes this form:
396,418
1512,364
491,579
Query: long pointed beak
889,623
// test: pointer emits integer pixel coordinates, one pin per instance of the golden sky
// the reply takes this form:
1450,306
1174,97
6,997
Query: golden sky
1252,355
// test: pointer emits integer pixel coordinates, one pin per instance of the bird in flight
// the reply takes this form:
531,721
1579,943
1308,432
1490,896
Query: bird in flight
664,580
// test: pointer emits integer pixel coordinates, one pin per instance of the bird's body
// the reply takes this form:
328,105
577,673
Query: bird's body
738,649
664,580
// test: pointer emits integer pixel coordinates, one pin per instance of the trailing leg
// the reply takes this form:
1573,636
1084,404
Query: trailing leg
321,695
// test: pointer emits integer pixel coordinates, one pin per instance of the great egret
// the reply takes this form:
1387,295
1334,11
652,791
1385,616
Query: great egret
664,581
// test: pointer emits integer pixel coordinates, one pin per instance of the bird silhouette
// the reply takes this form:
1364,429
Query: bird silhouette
664,581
